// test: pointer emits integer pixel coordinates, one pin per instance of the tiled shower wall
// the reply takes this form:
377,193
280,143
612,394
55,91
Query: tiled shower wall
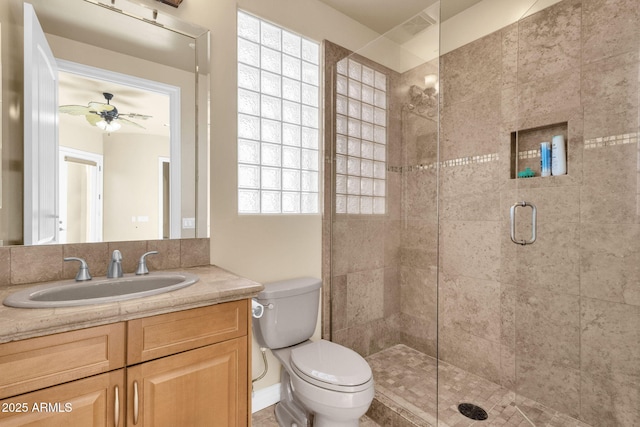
418,259
557,321
382,265
361,252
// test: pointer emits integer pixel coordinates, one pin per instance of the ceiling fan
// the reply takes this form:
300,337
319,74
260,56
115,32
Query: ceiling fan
104,116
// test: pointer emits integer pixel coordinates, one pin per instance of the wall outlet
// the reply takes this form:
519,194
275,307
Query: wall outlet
188,223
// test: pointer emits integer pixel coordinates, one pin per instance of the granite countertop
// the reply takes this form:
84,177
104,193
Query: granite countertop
215,286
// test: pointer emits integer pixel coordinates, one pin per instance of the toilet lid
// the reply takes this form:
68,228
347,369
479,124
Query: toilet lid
330,363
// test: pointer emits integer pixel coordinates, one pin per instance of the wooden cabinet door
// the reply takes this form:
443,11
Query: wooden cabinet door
205,387
37,363
92,402
166,334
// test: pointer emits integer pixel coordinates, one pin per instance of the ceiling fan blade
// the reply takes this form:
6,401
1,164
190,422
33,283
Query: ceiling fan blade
76,110
129,122
135,116
99,107
93,118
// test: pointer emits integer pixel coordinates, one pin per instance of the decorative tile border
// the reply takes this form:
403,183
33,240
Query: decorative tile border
529,154
463,161
420,167
606,141
603,141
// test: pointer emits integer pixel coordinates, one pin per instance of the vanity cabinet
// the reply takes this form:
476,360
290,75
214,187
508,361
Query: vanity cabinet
202,387
189,368
92,402
186,368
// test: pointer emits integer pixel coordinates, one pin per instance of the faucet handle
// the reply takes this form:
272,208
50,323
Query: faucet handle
116,256
83,272
142,264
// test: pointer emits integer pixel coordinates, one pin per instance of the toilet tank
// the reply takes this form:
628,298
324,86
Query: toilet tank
290,313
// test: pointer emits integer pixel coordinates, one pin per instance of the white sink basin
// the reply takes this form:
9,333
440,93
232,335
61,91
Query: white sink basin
70,293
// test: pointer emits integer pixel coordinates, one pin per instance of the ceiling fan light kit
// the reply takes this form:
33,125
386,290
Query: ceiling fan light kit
108,126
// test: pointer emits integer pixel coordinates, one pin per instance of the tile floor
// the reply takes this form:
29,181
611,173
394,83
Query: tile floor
406,397
267,418
410,388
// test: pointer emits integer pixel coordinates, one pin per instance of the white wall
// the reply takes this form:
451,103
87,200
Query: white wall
131,180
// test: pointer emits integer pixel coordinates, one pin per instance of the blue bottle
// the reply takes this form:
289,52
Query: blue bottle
545,159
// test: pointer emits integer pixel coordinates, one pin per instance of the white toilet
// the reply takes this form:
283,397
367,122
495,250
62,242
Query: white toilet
322,383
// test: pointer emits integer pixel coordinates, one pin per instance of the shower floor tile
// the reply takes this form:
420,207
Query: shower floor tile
406,384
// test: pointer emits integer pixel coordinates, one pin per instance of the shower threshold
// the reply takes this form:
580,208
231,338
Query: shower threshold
406,395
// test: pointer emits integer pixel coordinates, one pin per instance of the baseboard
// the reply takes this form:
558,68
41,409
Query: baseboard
265,397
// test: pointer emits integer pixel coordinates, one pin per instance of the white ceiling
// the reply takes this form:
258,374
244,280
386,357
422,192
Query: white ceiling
383,15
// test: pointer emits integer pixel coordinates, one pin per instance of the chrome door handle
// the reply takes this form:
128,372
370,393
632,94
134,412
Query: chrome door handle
534,215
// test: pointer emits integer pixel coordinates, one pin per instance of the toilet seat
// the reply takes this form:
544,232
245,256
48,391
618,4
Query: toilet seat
331,366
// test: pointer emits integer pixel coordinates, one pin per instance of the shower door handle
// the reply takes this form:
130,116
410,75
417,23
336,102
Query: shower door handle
534,214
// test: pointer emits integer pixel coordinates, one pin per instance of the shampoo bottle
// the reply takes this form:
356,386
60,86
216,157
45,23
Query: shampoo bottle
545,159
558,156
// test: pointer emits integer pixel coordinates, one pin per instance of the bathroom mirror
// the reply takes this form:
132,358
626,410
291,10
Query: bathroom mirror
147,179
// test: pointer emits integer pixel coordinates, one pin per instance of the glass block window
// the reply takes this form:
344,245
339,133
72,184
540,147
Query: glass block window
278,119
361,139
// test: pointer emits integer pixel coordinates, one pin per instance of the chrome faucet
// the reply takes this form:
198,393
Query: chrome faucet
115,265
83,272
142,264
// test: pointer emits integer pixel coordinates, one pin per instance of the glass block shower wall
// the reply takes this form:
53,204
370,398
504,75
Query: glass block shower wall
361,137
278,119
362,204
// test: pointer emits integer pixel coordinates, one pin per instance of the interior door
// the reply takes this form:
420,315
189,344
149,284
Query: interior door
40,135
80,196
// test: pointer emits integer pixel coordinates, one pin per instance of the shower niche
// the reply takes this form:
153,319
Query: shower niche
525,147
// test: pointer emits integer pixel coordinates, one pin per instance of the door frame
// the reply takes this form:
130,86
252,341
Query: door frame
161,163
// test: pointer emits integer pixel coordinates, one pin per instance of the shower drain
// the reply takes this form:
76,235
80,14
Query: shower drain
472,411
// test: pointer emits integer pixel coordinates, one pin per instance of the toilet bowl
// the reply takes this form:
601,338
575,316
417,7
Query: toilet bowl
332,382
322,383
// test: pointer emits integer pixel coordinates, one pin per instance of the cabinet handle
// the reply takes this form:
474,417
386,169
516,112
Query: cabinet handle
135,403
117,408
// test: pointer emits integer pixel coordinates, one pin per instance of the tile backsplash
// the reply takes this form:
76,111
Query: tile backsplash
33,264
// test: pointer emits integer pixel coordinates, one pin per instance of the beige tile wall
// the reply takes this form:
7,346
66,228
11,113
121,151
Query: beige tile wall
557,321
32,264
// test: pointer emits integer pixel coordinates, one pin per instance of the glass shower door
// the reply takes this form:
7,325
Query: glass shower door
382,151
543,329
572,296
